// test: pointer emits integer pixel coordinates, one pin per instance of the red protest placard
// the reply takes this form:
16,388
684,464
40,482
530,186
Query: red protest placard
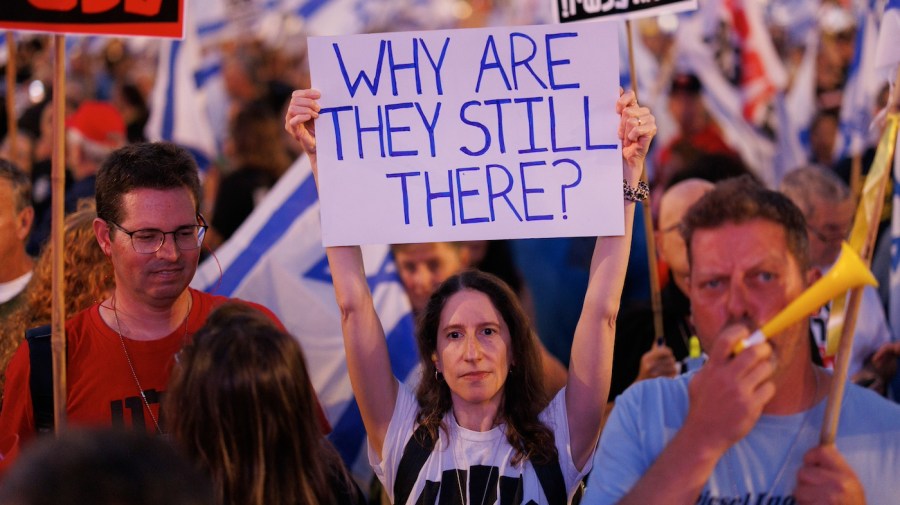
150,18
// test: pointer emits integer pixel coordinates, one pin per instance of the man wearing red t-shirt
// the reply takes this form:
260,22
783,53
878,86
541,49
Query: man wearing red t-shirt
121,350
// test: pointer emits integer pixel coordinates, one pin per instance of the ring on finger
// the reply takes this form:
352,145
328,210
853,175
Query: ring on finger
640,121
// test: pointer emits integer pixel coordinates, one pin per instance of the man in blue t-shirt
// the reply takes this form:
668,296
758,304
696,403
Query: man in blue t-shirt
745,427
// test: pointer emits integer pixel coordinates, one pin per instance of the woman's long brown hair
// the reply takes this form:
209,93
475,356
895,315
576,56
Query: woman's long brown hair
240,404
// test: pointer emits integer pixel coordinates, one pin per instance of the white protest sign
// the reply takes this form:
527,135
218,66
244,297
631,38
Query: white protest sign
567,11
468,134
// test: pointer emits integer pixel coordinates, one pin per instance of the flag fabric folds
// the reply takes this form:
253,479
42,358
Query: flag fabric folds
861,87
887,65
887,54
741,97
894,312
762,74
178,100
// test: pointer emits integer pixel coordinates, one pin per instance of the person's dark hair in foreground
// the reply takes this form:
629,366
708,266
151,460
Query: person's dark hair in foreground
245,406
104,467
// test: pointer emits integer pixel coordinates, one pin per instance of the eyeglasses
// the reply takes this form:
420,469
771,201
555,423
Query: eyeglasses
831,234
675,227
149,240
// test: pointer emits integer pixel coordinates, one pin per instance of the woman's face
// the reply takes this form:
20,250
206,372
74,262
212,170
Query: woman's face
473,349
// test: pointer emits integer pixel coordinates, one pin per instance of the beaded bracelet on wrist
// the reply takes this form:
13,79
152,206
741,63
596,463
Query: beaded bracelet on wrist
636,194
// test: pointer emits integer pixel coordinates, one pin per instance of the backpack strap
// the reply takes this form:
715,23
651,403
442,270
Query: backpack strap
552,482
416,452
41,378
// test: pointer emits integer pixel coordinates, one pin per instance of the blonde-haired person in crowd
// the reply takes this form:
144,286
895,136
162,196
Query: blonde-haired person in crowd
88,278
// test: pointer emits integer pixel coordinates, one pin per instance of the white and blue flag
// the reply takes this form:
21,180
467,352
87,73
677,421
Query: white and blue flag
887,54
276,259
887,64
861,86
178,102
739,108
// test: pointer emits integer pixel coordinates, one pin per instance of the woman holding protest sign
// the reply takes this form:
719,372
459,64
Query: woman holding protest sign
478,429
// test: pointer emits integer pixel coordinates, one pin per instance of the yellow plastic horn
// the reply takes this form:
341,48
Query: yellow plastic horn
847,273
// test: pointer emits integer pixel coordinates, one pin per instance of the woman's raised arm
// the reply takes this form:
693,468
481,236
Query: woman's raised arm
368,362
590,366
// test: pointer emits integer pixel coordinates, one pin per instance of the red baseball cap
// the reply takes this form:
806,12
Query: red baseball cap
99,122
686,83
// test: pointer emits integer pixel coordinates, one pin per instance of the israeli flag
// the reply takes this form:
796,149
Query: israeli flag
796,108
276,259
730,104
887,62
894,296
861,87
178,102
887,53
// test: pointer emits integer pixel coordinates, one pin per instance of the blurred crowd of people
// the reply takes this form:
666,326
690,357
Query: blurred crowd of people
242,365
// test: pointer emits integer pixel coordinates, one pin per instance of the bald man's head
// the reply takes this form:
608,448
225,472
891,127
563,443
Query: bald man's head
672,207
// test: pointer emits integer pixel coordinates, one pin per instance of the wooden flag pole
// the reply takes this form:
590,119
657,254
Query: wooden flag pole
57,228
856,174
655,296
842,360
11,129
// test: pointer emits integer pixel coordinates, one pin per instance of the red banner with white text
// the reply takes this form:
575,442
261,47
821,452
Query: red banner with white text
150,18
